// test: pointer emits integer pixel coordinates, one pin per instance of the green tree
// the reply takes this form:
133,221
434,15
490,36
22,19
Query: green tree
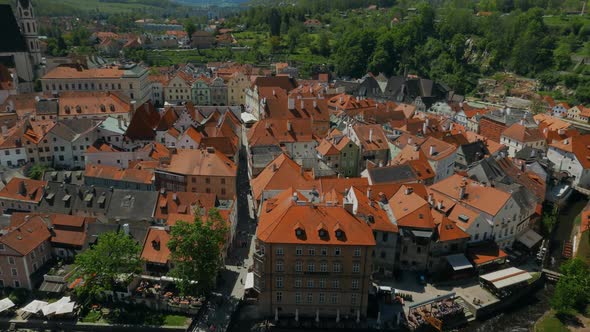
275,44
573,289
190,28
324,44
196,249
37,170
114,258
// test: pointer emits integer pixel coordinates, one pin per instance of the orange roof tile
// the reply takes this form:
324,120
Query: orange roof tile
26,236
449,231
203,162
280,174
65,72
369,207
172,203
521,133
371,137
487,199
578,145
119,174
410,208
486,253
155,247
23,190
278,224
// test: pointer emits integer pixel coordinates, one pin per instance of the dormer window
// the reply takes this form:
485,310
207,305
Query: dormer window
103,108
338,231
299,230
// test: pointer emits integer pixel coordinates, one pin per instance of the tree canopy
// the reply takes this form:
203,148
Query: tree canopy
573,289
115,257
196,250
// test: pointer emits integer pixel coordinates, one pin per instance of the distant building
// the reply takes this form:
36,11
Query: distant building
130,79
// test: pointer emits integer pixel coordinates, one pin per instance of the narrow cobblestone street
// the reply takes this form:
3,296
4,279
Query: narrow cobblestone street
239,259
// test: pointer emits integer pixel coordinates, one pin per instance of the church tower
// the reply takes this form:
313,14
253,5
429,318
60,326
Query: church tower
29,29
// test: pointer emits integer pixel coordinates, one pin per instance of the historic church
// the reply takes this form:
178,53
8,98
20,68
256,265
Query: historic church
20,48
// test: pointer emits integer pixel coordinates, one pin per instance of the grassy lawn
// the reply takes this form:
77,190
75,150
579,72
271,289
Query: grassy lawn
92,317
561,21
174,320
550,323
137,315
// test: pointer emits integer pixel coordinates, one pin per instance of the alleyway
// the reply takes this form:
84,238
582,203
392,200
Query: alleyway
239,258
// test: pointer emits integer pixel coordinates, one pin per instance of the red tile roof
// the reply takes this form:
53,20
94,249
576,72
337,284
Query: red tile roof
170,203
379,220
524,134
281,174
487,199
282,217
203,162
449,231
578,145
119,174
27,236
155,248
23,190
371,137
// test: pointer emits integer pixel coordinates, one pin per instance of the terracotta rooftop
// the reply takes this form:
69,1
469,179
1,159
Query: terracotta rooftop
487,199
155,248
449,231
524,134
203,162
23,190
370,210
119,174
26,236
371,137
281,174
172,203
578,145
410,208
65,72
284,220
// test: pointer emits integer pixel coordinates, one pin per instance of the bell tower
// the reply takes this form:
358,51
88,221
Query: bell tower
29,28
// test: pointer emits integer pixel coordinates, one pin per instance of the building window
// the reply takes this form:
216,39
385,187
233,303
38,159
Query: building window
279,297
279,282
336,251
11,260
280,252
298,266
311,251
309,298
310,267
14,272
322,298
297,283
337,267
357,252
280,266
322,283
298,251
353,299
2,248
334,298
309,283
16,284
354,284
335,283
356,267
323,267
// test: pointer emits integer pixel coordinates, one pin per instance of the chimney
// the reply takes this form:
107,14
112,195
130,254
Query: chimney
289,126
432,150
291,102
462,189
4,131
274,93
315,104
295,197
274,167
547,130
371,135
409,190
409,141
439,205
522,122
174,197
22,188
267,125
347,205
431,199
424,128
451,126
302,104
369,192
561,131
